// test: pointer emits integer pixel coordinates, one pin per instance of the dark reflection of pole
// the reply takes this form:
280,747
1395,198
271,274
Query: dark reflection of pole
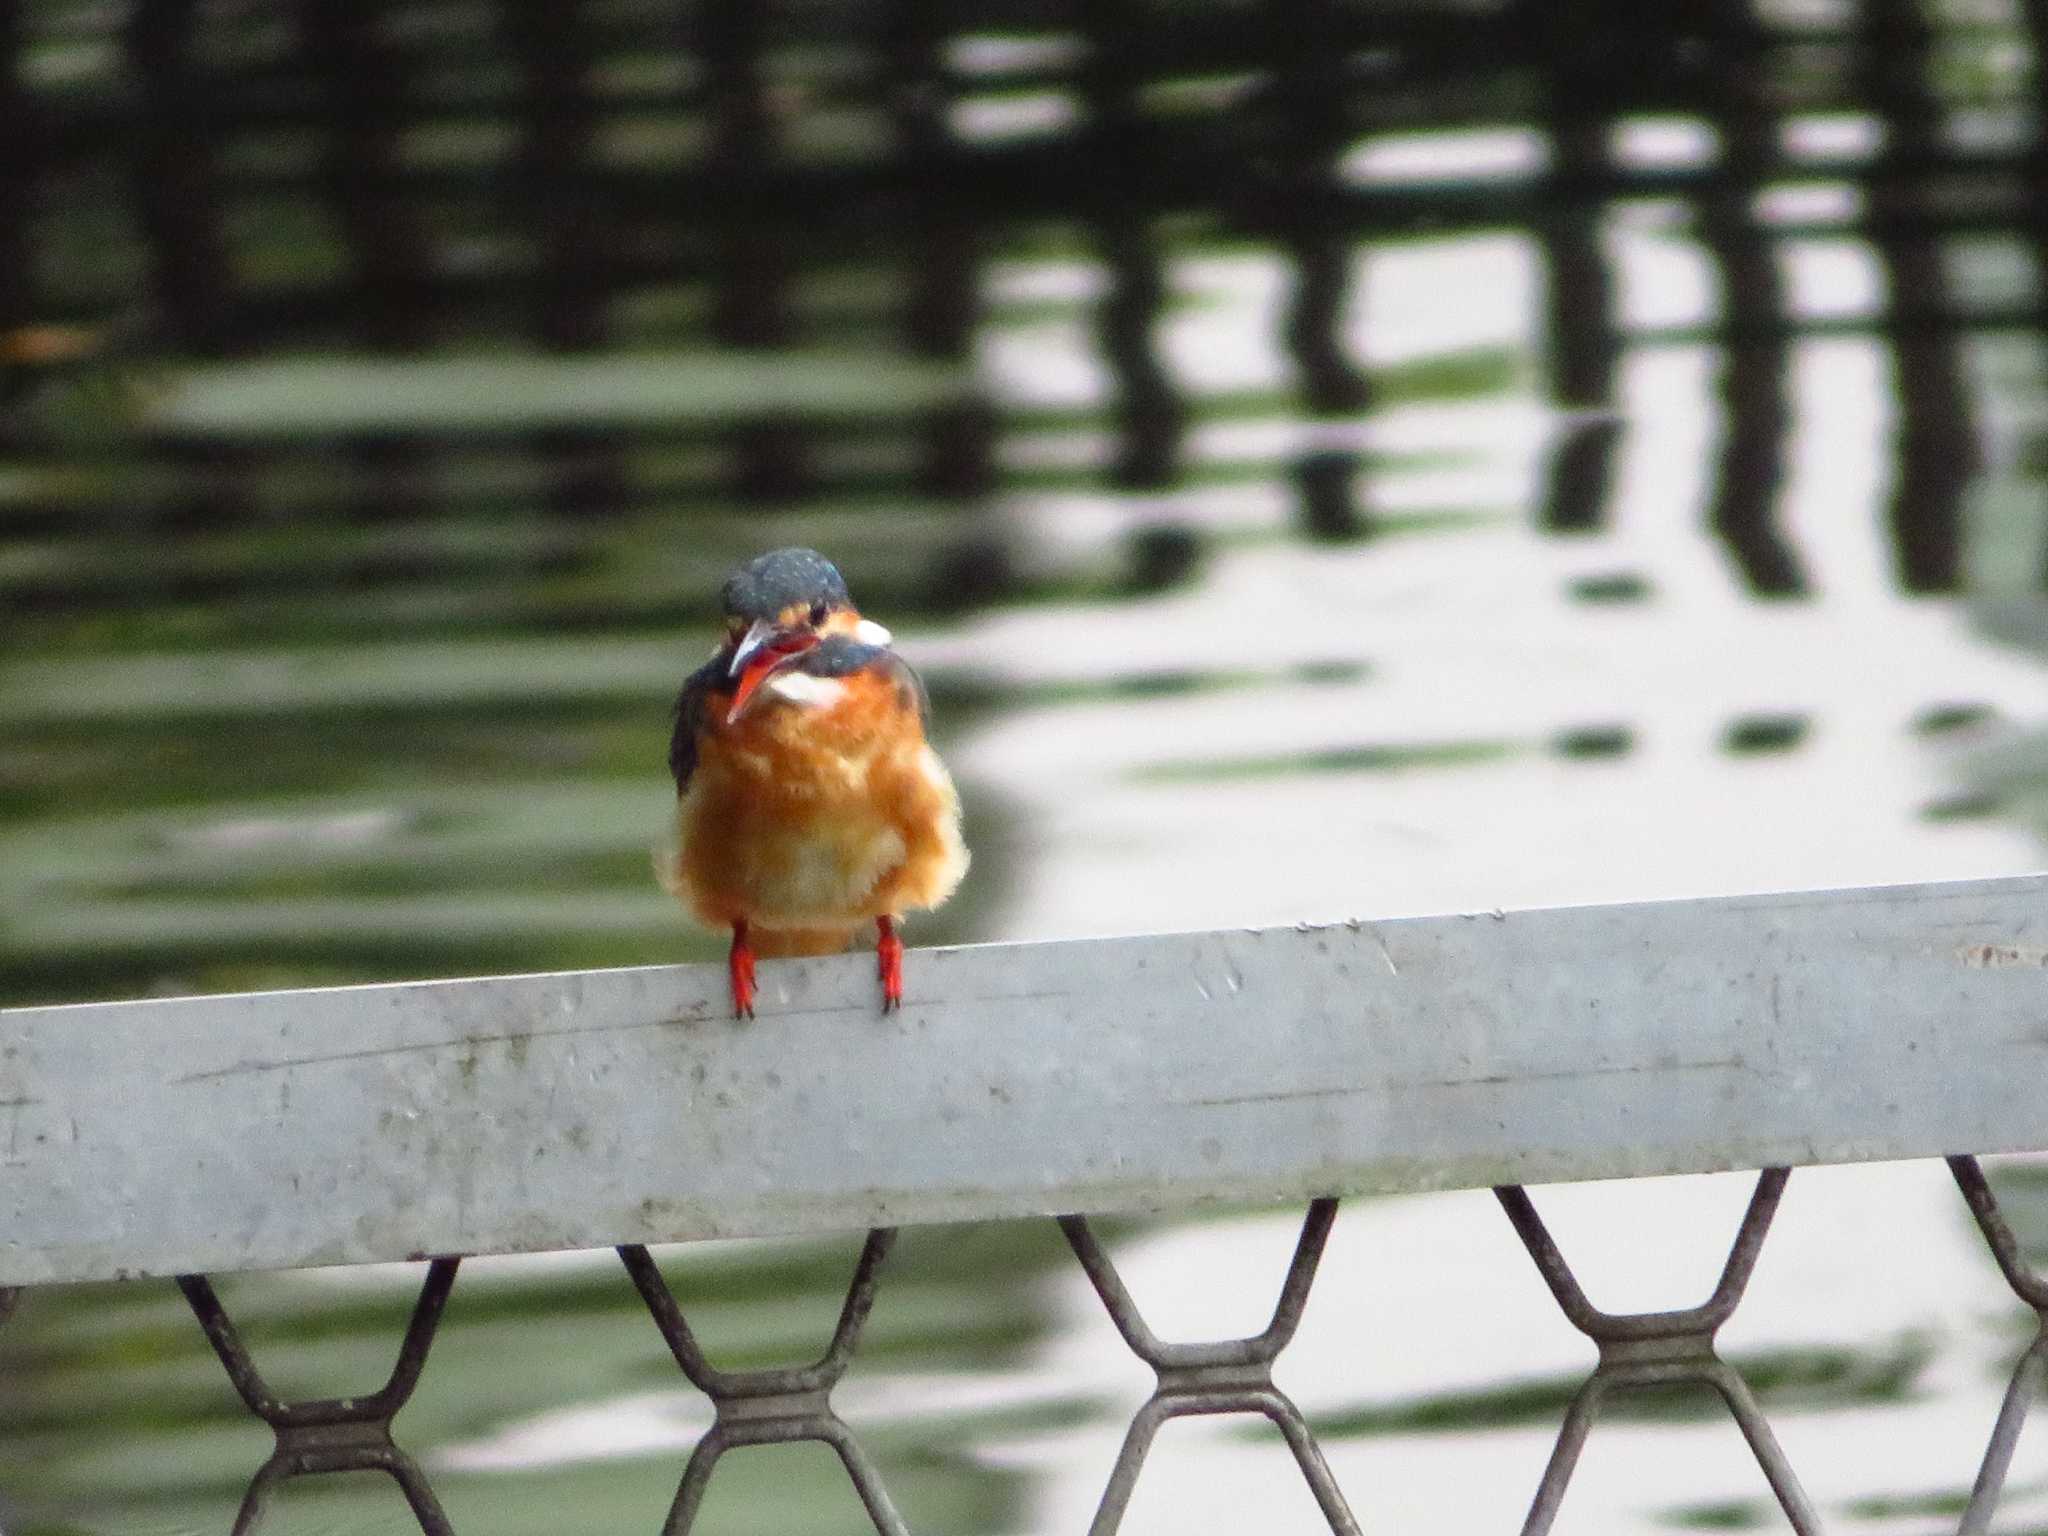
175,182
343,47
1937,443
17,191
1150,414
1578,49
556,195
1754,325
2034,177
751,255
941,305
1311,96
1326,481
177,196
1305,192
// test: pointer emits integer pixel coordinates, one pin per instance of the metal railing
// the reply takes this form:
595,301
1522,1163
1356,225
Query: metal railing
1038,1079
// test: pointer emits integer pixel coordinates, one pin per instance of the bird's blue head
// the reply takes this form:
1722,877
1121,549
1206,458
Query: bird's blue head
777,607
786,587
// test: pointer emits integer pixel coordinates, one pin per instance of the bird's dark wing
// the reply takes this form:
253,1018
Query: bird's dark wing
912,686
690,710
842,655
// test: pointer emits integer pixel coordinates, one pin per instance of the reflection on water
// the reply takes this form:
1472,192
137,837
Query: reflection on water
1540,549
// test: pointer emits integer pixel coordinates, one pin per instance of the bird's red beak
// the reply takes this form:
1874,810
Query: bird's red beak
764,649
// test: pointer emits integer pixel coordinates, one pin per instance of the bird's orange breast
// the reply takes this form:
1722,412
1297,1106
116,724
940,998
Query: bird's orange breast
814,815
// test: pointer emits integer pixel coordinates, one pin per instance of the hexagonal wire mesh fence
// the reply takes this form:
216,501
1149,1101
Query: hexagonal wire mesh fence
1648,1349
2031,1371
771,1407
1226,1376
336,1434
1231,1376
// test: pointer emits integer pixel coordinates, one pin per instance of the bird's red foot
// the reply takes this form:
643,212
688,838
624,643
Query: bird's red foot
889,963
740,964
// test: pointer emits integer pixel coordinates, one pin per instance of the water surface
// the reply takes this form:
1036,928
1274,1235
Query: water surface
304,755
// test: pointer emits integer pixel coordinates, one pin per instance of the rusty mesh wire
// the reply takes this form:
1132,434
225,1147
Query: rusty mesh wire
335,1434
1646,1349
1231,1376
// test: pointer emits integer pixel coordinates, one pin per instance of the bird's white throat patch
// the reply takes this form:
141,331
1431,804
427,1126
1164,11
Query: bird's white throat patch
805,689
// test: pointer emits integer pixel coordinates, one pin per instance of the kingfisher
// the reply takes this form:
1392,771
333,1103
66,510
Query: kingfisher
808,802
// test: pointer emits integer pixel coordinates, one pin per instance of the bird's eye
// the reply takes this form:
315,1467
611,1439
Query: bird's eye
817,613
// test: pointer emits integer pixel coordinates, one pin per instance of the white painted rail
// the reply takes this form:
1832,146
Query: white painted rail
524,1113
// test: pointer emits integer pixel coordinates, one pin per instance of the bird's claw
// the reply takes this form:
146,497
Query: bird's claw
740,967
889,965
